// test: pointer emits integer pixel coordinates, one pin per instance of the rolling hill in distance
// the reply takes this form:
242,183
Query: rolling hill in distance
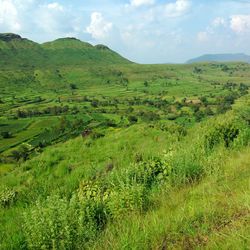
19,51
240,57
15,49
97,152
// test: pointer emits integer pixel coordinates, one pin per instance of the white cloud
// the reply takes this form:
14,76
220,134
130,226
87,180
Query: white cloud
99,28
179,8
9,20
219,21
54,20
213,30
203,36
55,6
240,23
138,3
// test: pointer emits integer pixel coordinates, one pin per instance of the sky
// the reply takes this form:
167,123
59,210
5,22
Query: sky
144,31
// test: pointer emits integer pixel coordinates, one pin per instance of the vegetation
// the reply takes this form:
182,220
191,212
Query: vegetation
100,153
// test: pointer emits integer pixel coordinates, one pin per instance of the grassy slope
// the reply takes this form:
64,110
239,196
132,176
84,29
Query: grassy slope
209,212
212,214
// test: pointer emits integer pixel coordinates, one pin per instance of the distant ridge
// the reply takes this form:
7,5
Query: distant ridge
18,51
240,57
6,37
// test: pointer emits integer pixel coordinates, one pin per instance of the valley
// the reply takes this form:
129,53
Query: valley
90,140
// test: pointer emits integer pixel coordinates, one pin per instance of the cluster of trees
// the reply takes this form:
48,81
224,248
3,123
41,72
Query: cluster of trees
54,110
21,153
6,134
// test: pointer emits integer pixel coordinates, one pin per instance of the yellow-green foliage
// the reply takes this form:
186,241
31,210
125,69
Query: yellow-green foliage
152,171
7,197
57,223
127,199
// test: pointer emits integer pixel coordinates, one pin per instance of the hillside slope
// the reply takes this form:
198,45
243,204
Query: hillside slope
16,51
179,194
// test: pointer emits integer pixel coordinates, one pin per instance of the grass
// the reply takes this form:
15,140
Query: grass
202,199
213,214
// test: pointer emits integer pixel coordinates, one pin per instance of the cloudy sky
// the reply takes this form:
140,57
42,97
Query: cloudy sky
145,31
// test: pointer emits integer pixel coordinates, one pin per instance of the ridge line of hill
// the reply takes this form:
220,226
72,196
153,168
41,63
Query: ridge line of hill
22,52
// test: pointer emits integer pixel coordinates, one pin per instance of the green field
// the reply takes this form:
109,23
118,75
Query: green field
97,152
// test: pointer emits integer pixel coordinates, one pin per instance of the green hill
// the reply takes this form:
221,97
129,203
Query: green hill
71,51
20,52
16,51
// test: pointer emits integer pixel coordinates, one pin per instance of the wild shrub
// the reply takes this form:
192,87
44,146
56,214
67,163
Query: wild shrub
132,119
151,171
222,133
7,197
127,199
21,153
93,196
6,134
173,128
102,203
96,135
57,223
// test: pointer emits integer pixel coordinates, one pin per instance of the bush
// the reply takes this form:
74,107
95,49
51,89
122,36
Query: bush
7,197
132,119
222,133
127,199
173,129
6,134
21,153
57,224
102,203
147,173
93,197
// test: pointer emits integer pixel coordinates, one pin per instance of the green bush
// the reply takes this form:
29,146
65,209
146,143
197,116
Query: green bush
102,203
127,199
57,224
222,133
151,171
93,196
7,197
6,134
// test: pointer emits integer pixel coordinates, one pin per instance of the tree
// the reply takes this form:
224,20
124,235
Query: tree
199,115
94,103
6,134
133,119
204,100
73,86
21,153
197,70
209,111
